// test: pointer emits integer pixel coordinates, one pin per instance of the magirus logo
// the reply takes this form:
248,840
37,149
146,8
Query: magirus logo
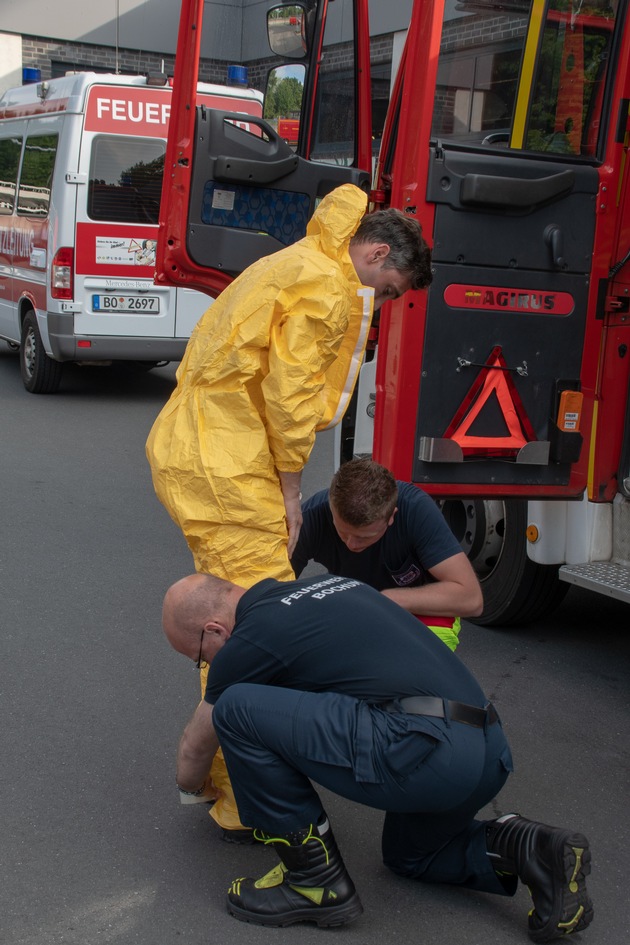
501,298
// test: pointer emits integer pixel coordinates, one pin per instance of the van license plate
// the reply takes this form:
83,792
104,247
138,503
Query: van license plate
141,304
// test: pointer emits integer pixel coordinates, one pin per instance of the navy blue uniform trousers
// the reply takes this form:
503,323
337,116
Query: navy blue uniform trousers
431,776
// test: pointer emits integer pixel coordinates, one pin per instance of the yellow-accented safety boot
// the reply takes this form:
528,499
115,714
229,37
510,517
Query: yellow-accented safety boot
553,863
311,884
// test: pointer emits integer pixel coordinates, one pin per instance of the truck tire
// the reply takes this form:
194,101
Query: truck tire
516,590
40,374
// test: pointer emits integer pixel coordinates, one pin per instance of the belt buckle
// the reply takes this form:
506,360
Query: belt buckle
492,715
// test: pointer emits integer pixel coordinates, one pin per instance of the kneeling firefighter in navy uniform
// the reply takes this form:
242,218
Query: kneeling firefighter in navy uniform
328,680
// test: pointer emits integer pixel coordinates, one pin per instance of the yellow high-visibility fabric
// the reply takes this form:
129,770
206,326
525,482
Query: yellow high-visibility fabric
447,632
273,359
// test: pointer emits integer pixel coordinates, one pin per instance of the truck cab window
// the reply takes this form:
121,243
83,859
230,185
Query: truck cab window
334,131
526,77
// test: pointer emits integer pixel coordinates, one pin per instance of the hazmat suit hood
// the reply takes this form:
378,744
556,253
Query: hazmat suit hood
330,229
335,222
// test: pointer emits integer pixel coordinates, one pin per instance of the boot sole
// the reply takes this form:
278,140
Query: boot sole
574,912
323,917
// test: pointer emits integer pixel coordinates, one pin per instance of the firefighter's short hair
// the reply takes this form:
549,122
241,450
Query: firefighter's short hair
363,492
408,250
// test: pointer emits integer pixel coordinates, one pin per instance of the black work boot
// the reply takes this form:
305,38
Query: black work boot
553,863
244,837
311,883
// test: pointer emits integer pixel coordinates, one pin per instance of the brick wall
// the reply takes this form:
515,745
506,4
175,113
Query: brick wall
58,57
55,58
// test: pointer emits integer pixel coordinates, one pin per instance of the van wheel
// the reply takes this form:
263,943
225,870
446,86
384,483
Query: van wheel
40,374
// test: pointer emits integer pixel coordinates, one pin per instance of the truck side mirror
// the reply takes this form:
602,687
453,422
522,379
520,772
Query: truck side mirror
286,31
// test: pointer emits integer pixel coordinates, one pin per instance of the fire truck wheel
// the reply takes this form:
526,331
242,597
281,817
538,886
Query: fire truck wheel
516,590
40,374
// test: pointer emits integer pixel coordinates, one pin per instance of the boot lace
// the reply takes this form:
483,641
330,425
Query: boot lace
311,835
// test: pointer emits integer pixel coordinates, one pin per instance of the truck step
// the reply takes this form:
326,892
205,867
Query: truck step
604,577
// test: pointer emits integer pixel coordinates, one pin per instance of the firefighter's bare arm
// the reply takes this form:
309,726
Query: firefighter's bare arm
290,484
197,747
455,591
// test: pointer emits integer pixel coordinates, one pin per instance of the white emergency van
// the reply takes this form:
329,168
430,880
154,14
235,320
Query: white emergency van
81,165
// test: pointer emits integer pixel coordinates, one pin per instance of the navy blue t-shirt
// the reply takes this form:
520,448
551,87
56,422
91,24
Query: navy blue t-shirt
417,540
334,634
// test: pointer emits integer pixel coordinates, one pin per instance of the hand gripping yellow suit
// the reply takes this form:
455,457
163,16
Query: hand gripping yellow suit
274,359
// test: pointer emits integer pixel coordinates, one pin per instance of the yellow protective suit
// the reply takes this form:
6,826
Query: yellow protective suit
274,359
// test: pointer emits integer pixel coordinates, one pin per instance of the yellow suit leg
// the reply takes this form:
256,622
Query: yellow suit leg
224,810
252,555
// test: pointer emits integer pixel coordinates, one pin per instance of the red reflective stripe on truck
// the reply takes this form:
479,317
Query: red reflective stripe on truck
35,108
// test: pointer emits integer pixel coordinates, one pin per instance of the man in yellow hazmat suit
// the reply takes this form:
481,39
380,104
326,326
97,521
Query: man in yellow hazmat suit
271,362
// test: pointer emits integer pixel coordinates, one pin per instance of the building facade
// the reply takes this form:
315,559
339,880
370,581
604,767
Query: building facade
139,36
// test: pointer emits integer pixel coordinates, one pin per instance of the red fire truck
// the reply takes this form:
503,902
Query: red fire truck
289,130
503,391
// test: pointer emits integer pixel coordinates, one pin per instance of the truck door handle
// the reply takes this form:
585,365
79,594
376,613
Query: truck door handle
555,241
513,193
236,170
242,156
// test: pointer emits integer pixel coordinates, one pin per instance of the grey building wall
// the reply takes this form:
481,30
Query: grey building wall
10,60
140,36
389,16
151,25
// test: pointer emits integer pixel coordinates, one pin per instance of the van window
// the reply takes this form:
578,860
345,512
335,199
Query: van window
125,179
10,149
36,176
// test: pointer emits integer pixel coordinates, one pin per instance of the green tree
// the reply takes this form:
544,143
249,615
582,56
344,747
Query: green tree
283,97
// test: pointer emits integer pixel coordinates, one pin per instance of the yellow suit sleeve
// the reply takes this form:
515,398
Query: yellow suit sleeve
304,342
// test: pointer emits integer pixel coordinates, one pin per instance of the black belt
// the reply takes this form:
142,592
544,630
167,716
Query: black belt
444,708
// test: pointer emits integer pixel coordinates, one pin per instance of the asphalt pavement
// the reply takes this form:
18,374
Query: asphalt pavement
95,848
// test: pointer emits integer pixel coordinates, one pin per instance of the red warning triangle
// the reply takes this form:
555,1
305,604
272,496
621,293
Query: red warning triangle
492,382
